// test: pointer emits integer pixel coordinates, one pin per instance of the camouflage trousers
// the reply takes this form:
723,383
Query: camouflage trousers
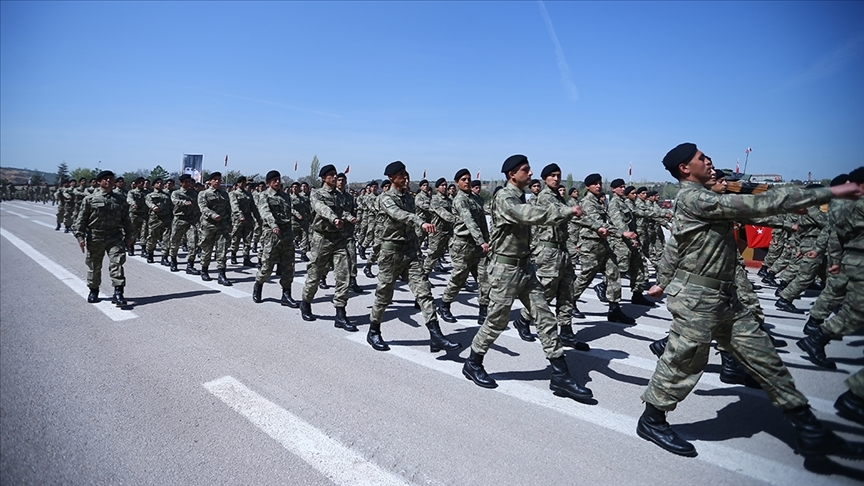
97,248
595,256
352,256
242,232
784,260
327,250
746,295
69,213
510,282
395,260
256,235
157,227
214,237
437,246
630,262
831,296
466,254
855,383
369,236
806,272
138,228
554,271
61,214
700,314
775,248
180,229
851,315
276,249
301,236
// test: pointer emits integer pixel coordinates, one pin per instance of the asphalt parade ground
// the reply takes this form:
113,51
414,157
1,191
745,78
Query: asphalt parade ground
193,383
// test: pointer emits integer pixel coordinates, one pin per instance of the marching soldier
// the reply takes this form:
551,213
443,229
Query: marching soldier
159,204
277,240
625,243
373,236
349,207
185,223
244,216
138,213
215,225
442,217
61,203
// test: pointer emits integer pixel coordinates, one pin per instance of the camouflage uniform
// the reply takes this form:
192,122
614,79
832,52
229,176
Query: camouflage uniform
136,199
621,213
835,284
441,209
158,221
807,269
185,223
69,207
702,299
469,232
274,207
373,232
103,225
329,245
595,253
423,203
212,203
61,206
301,214
244,216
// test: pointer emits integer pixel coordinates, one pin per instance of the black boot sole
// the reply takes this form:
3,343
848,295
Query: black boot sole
673,451
479,383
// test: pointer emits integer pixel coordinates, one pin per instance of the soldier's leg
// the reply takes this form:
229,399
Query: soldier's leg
830,297
246,237
154,232
60,213
506,282
461,254
855,383
746,295
351,250
191,242
342,271
166,236
483,278
178,230
774,248
286,255
535,294
563,295
851,315
389,268
267,257
221,248
589,253
807,271
320,259
436,250
208,240
116,258
376,250
418,282
93,258
234,238
611,275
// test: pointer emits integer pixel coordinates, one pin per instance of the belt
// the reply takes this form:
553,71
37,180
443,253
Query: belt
711,283
517,262
549,244
393,246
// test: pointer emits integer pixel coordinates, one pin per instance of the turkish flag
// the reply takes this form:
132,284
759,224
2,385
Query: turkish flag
758,236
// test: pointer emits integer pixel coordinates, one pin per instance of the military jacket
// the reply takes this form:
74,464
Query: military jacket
398,218
555,234
185,202
243,206
300,208
213,202
511,235
423,202
162,201
441,209
349,210
136,198
329,205
594,217
470,218
275,209
846,244
621,215
104,215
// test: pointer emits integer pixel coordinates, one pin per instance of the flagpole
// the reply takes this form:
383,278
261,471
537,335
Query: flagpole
746,158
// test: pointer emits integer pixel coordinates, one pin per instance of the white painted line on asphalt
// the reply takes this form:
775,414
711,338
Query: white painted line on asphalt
233,292
34,210
741,462
73,282
29,218
330,457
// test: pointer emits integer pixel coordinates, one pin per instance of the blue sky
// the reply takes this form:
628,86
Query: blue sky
438,85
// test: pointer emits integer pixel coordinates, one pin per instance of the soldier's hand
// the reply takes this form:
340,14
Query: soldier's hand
81,244
630,234
811,254
353,220
338,223
850,190
156,209
602,232
130,242
217,217
276,231
300,217
242,219
188,203
795,227
834,269
429,228
577,211
485,247
655,291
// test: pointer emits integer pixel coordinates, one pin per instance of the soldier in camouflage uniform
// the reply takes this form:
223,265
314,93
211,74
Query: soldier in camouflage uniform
511,276
78,195
350,229
441,211
301,209
703,306
103,227
329,247
787,248
159,204
469,247
373,235
277,240
624,242
167,189
244,216
69,206
573,227
256,233
138,213
809,263
423,203
215,225
399,254
61,203
185,223
596,254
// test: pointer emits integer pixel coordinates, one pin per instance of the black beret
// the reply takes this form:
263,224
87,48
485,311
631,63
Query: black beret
617,183
327,168
120,179
394,168
273,174
140,179
652,193
549,169
373,183
424,181
475,183
185,177
592,179
169,181
513,162
241,180
574,189
385,183
839,180
158,179
462,172
641,190
679,155
814,185
341,175
104,174
215,175
628,190
857,176
440,182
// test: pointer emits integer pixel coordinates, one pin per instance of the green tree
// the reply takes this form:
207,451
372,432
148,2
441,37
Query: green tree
62,171
158,171
36,178
80,172
569,182
313,174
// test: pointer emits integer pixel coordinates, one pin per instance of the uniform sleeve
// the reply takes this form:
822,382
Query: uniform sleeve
512,210
234,201
463,211
206,212
82,221
389,206
617,224
442,210
668,263
731,207
264,211
320,206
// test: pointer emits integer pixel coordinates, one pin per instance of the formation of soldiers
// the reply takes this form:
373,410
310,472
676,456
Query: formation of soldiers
42,193
530,251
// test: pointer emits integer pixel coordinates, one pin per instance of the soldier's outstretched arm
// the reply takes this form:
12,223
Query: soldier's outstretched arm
512,210
389,206
731,207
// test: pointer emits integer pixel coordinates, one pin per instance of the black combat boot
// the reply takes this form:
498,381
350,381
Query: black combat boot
638,299
814,440
618,315
373,337
850,406
57,228
563,385
304,257
93,297
770,279
342,321
361,252
205,274
814,346
732,373
482,313
306,311
523,328
118,299
233,258
474,371
569,339
289,301
577,313
150,258
367,270
353,287
445,313
66,229
658,347
780,288
131,250
174,265
437,340
438,267
164,262
763,272
256,292
812,325
190,268
600,289
787,306
247,261
653,427
778,343
223,279
323,283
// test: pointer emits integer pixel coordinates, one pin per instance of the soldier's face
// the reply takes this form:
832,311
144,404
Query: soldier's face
329,178
618,191
475,190
399,180
521,175
552,180
106,183
643,195
169,185
275,184
699,168
594,188
464,183
186,184
424,188
340,183
535,189
215,182
631,196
